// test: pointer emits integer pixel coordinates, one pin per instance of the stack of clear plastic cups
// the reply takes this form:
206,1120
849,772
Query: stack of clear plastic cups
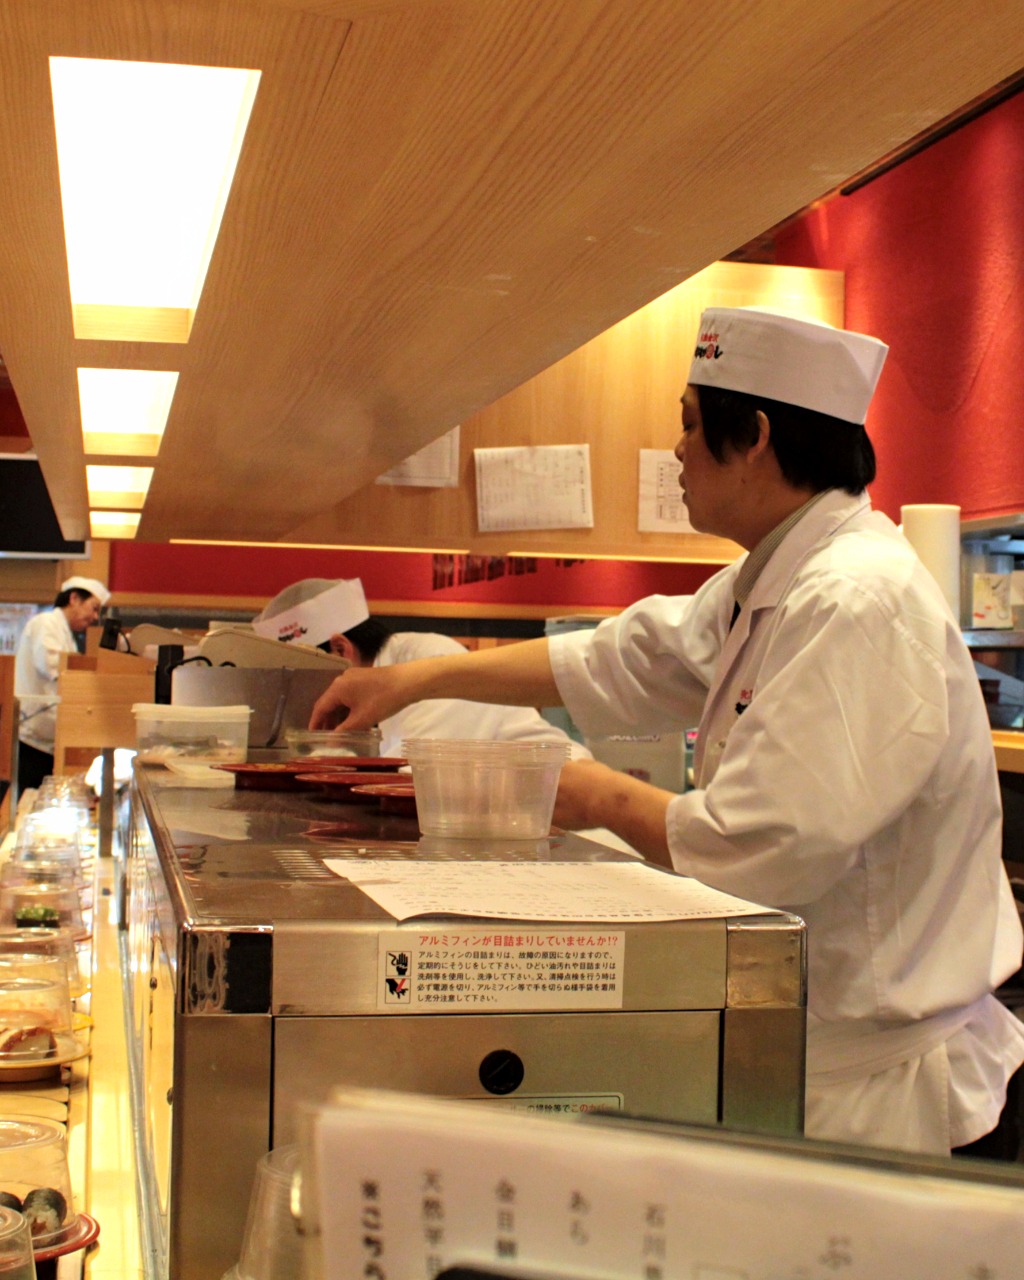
17,1260
487,788
271,1245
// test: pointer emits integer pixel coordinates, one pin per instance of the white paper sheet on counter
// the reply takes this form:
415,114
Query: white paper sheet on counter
422,1184
544,487
592,893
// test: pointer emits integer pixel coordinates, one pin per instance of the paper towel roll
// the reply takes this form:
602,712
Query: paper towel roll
933,530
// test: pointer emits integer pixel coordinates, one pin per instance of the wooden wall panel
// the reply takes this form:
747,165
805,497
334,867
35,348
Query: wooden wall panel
619,393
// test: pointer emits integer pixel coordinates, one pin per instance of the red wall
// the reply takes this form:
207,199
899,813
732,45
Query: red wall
249,571
934,259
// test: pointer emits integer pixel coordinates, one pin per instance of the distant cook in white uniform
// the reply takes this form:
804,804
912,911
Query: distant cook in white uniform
844,768
332,613
46,638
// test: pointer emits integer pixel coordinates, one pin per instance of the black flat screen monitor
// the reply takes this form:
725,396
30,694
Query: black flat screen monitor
28,523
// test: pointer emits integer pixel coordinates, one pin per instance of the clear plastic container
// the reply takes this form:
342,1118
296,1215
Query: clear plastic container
17,1260
50,831
61,943
214,734
329,742
28,1003
34,1171
26,965
42,906
58,872
475,789
271,1246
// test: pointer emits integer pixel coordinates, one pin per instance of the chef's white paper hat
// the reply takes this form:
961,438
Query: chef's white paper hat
313,610
91,586
801,362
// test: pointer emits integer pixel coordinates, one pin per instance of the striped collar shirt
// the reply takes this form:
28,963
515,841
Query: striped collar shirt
755,562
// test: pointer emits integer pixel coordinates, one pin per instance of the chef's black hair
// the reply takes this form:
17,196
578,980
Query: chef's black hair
814,450
369,637
64,598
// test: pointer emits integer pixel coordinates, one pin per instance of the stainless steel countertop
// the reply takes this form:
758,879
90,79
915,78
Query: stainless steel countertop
255,857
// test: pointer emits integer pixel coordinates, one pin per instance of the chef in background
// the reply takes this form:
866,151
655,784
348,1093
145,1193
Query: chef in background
844,767
332,614
46,637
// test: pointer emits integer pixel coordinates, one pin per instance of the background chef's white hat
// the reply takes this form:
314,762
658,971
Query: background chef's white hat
801,362
313,610
91,586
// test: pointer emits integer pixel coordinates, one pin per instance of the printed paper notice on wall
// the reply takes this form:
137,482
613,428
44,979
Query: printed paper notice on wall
546,487
662,509
436,466
990,608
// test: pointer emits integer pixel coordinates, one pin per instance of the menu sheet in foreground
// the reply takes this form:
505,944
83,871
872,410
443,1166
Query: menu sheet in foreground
407,1187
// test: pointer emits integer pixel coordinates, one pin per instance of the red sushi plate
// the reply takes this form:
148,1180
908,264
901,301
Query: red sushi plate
342,786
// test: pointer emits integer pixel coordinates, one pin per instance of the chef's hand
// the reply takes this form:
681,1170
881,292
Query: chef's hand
591,794
358,699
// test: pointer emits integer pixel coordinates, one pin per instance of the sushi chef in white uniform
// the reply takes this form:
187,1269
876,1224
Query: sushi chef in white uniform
333,614
844,768
47,637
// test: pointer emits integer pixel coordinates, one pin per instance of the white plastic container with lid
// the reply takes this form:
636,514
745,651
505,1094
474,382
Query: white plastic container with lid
485,788
215,734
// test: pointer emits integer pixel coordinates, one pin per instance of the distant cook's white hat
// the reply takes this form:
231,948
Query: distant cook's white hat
313,610
92,587
801,362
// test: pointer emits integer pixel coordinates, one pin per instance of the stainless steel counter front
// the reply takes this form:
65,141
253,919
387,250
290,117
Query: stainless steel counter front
254,982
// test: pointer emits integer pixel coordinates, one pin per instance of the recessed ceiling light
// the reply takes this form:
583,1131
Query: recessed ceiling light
147,152
113,524
124,411
120,487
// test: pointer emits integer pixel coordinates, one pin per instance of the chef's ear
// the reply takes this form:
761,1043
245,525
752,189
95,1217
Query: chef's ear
764,436
344,648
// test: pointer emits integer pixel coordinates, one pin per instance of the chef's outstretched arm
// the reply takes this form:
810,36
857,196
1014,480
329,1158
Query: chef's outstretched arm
514,674
591,794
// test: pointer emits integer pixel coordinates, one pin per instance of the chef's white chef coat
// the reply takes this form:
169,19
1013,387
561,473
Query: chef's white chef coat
845,773
453,717
46,637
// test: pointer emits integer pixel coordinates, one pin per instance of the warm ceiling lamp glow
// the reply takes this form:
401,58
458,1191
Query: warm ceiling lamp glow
123,487
317,546
112,524
147,152
124,411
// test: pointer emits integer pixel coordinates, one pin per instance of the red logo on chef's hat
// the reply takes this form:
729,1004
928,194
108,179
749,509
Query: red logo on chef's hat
293,631
707,347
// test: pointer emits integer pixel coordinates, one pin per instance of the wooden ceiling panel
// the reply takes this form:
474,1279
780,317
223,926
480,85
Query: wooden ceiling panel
436,201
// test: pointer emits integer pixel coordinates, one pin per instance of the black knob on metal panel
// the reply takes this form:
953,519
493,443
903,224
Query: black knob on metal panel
502,1071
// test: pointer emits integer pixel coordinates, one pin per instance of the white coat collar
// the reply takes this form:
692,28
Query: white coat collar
821,521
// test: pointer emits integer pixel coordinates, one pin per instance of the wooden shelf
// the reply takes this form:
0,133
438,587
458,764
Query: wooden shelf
1009,746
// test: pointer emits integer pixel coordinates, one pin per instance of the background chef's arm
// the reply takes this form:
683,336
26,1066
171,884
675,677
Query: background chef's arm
514,674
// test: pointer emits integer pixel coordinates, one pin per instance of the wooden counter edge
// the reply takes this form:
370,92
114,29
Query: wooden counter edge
1009,747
